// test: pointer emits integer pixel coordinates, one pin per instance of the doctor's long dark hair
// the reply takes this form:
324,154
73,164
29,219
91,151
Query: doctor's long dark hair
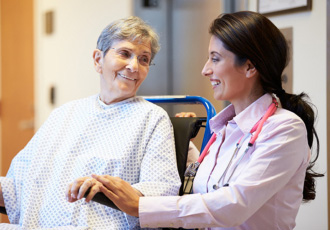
251,36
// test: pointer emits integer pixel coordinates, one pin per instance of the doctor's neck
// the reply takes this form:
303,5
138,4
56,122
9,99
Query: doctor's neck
243,103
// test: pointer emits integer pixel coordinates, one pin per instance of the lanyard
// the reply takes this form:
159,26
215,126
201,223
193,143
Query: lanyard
256,129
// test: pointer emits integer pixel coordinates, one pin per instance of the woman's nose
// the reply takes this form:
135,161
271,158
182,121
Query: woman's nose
133,64
206,71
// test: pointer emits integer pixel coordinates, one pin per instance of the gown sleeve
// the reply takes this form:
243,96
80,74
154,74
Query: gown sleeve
159,175
12,184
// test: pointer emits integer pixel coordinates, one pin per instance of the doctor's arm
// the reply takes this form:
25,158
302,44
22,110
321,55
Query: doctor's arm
282,151
122,194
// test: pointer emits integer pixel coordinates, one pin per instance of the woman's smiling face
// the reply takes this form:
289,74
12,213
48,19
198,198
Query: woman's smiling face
228,79
122,70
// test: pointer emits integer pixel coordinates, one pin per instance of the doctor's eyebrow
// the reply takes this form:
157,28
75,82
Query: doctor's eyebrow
215,52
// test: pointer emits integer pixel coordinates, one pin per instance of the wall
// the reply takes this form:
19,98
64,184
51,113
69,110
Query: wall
63,59
191,21
309,70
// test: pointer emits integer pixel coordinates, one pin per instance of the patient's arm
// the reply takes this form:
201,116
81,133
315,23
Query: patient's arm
193,154
2,203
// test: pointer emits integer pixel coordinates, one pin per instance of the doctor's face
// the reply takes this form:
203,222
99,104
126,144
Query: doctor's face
228,80
122,70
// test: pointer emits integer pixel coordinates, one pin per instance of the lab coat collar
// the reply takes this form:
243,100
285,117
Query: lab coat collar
246,119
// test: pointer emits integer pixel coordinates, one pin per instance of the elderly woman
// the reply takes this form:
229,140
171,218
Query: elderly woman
114,133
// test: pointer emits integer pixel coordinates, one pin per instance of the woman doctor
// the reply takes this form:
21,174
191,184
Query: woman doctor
258,188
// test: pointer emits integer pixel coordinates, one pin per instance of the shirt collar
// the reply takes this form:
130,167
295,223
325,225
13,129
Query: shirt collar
245,119
221,119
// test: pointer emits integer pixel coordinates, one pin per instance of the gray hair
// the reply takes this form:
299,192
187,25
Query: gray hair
133,29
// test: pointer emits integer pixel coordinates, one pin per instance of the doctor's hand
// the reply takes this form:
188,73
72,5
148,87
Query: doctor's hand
122,194
76,190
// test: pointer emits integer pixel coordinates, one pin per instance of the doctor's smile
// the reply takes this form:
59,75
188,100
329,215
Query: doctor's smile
215,82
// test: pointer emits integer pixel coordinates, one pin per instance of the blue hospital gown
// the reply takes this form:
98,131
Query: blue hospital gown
132,139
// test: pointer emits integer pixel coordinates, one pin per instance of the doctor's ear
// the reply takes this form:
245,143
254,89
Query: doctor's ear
250,69
98,60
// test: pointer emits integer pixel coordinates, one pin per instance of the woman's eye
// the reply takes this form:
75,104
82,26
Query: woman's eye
144,60
124,53
214,59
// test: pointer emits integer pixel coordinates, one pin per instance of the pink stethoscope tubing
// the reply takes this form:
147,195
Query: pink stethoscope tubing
256,129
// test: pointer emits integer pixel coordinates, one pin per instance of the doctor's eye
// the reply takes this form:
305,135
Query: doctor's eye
214,59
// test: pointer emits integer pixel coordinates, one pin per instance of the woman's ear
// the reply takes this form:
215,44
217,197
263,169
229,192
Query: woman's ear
251,70
98,60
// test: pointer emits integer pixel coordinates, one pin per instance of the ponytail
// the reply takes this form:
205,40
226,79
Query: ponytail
304,109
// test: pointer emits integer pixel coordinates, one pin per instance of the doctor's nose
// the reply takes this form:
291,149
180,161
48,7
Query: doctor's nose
206,71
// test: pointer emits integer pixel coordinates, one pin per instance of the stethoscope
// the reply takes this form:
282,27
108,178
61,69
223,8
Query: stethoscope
253,134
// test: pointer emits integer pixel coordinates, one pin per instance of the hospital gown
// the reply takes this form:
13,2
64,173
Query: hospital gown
131,139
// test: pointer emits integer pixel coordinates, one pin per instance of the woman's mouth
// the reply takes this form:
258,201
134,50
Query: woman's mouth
124,76
215,82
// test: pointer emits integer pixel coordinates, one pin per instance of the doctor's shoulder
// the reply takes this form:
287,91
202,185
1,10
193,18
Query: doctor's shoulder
285,123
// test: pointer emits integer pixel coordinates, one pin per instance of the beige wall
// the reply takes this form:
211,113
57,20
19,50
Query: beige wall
64,58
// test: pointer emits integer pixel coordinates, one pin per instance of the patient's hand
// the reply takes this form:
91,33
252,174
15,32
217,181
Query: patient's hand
185,114
76,190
